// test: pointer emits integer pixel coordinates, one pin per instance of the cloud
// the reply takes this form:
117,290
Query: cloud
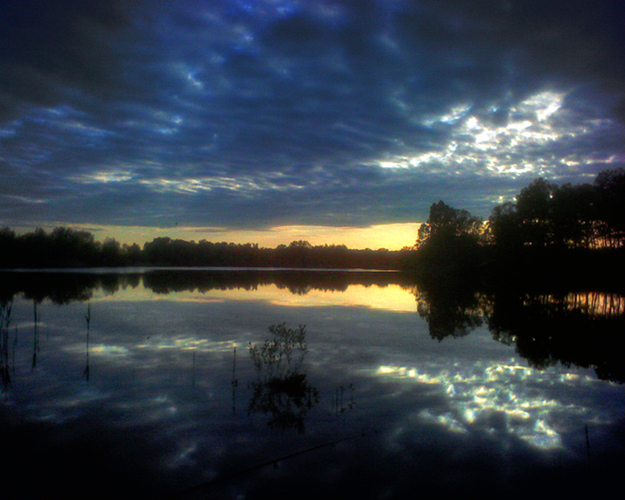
51,49
252,114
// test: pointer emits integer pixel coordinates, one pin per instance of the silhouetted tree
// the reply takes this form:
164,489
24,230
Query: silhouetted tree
503,227
158,251
574,214
535,211
111,253
8,247
300,244
564,217
610,186
449,240
446,223
133,254
66,247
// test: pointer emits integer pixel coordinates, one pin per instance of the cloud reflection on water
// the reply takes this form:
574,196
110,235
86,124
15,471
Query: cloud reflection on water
478,393
162,367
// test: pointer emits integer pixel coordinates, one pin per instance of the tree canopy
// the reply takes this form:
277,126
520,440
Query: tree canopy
567,216
66,247
545,225
446,223
449,238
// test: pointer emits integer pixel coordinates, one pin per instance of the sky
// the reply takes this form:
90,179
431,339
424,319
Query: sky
269,121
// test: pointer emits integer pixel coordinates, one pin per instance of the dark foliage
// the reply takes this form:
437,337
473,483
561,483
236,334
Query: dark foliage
548,323
449,241
65,247
551,233
569,216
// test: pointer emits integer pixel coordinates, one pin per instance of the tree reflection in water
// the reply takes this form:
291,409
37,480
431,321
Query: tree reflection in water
450,309
567,327
583,328
281,389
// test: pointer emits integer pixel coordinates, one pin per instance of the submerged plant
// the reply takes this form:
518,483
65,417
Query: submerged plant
282,390
5,321
281,355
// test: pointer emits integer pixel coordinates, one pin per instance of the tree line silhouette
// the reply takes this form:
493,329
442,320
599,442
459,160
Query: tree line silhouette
547,227
549,230
65,247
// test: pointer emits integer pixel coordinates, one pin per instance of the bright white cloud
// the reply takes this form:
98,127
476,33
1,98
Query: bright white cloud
347,100
242,184
104,176
523,145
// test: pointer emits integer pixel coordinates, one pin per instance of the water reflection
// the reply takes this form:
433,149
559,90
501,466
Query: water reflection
281,389
571,327
583,328
87,370
450,310
468,390
494,397
65,287
5,323
36,320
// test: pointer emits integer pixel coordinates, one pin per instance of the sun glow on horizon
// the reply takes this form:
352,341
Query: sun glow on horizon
389,236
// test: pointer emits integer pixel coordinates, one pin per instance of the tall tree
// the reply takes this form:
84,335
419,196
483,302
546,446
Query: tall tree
573,215
503,226
449,241
447,223
535,211
610,186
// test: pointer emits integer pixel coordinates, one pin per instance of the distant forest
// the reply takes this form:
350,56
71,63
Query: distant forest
549,228
549,231
64,247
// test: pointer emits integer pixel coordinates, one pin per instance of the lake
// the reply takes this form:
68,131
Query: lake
312,384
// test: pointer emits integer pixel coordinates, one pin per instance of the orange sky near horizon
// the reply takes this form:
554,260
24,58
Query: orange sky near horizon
389,236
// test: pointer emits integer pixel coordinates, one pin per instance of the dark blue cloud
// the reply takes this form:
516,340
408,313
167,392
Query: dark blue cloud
252,114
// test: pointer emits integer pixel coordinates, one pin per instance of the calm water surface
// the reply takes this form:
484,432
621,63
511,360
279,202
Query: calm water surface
144,385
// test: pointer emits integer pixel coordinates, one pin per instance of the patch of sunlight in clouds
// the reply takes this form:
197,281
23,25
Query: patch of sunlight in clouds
191,186
104,176
520,146
24,199
480,393
187,185
243,184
